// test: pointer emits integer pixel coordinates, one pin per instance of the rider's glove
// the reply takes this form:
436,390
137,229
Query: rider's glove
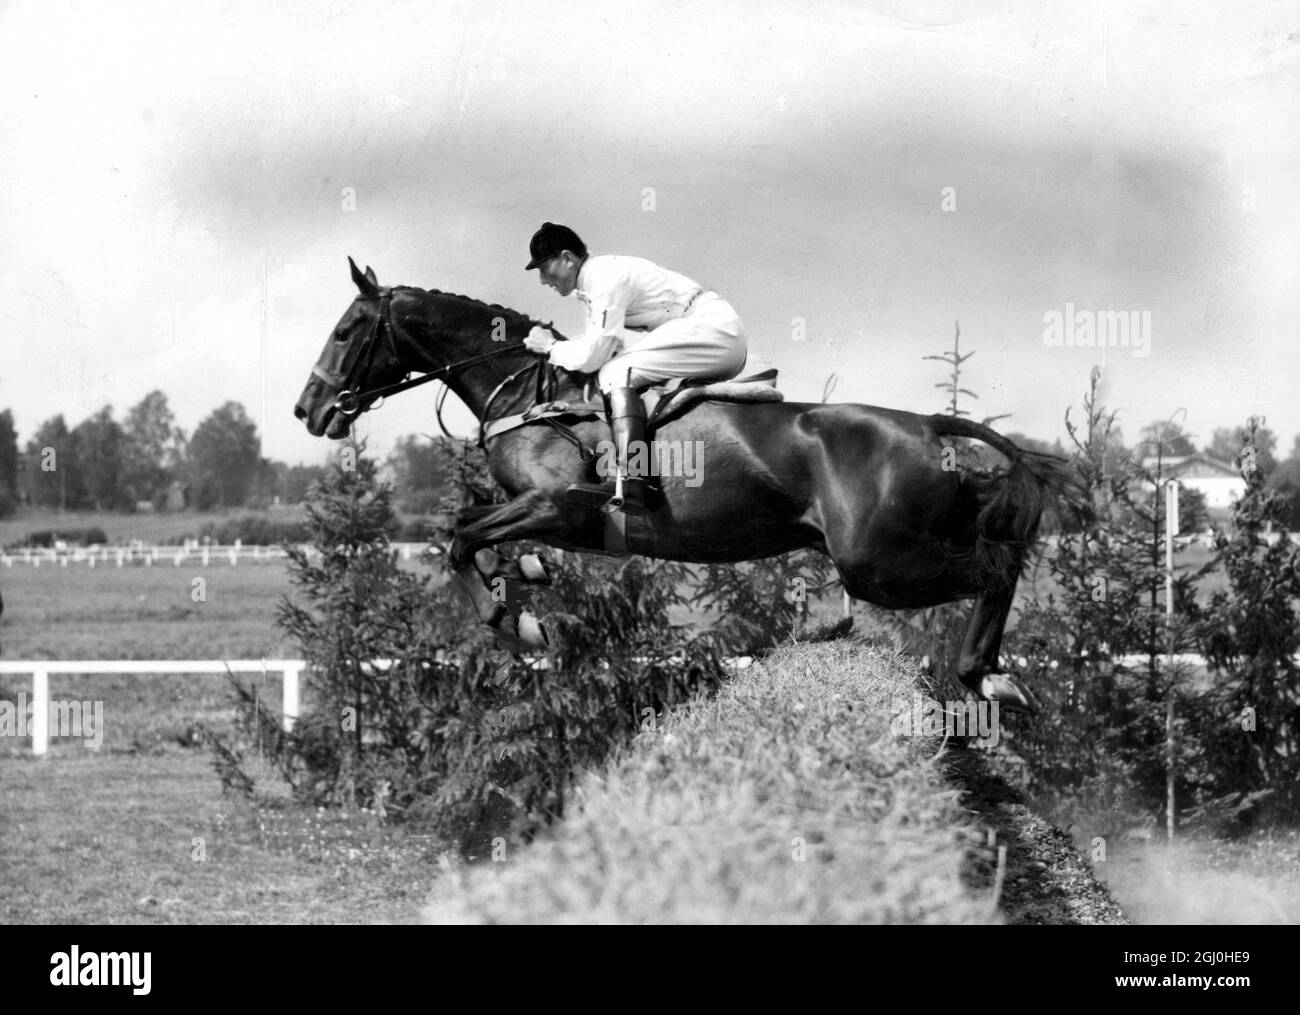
539,340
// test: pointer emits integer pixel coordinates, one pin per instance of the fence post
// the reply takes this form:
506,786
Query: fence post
290,700
40,728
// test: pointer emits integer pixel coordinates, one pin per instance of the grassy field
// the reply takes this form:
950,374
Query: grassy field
151,527
79,612
145,836
109,835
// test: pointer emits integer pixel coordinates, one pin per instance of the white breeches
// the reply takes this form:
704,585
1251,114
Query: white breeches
709,342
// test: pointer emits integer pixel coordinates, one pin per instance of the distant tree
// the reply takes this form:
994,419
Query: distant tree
50,478
1034,444
1285,479
1165,439
271,479
8,464
268,483
1226,445
98,445
421,472
223,458
153,448
298,478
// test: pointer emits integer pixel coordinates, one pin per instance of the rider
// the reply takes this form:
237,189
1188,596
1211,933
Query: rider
645,325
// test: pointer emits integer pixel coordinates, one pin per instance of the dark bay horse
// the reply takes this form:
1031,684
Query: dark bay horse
871,487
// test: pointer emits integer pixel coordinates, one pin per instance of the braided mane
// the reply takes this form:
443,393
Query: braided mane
480,303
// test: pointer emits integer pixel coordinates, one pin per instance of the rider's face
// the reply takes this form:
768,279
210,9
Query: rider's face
559,272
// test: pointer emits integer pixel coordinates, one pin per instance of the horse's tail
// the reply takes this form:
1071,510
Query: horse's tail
1009,516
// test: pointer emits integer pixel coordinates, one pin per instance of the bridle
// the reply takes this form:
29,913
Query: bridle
348,401
352,403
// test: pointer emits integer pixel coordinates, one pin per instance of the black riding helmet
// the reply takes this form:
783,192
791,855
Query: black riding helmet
550,240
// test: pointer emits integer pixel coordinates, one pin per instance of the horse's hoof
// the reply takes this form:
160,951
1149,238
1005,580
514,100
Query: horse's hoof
1008,692
531,631
521,634
489,563
530,564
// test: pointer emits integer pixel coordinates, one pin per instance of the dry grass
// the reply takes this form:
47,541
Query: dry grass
701,820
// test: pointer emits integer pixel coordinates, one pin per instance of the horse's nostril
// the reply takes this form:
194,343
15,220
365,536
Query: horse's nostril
299,412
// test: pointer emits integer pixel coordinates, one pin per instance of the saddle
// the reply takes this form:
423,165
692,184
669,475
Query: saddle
662,402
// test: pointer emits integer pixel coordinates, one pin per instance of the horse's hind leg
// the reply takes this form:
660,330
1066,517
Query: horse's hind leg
977,663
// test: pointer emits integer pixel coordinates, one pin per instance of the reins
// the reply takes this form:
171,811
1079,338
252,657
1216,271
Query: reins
349,402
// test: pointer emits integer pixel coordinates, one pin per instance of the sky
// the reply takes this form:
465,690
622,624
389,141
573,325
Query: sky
181,186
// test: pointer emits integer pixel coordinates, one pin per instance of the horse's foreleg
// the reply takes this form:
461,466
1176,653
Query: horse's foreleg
500,596
531,515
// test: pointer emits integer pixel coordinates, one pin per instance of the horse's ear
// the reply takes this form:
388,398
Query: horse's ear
366,283
370,274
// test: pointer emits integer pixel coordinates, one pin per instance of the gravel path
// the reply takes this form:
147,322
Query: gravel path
1046,880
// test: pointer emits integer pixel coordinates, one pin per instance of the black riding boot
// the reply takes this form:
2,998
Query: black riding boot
627,493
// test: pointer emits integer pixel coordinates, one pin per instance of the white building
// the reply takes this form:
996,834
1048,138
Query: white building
1220,482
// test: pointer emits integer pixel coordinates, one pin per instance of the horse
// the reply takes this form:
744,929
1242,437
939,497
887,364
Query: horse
873,488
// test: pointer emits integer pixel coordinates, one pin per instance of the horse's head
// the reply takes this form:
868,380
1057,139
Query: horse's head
360,355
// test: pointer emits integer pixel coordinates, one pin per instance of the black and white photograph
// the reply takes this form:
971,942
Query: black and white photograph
750,464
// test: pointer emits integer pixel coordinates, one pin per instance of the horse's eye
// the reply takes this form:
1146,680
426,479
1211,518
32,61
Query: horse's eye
340,336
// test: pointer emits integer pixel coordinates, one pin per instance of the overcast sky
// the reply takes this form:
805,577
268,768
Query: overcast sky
157,161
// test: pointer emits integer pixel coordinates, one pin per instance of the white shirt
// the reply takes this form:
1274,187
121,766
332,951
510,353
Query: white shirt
622,294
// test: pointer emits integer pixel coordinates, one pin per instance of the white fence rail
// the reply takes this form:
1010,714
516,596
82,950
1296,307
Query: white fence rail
147,556
42,669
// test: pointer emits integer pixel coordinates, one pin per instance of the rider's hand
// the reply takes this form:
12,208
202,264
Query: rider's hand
539,340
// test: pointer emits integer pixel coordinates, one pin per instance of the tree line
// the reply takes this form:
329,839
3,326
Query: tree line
146,461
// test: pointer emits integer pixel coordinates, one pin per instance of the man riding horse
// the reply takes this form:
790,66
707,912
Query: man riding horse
871,487
645,325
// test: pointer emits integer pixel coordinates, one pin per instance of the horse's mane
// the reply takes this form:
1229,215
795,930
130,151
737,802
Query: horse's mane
491,307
